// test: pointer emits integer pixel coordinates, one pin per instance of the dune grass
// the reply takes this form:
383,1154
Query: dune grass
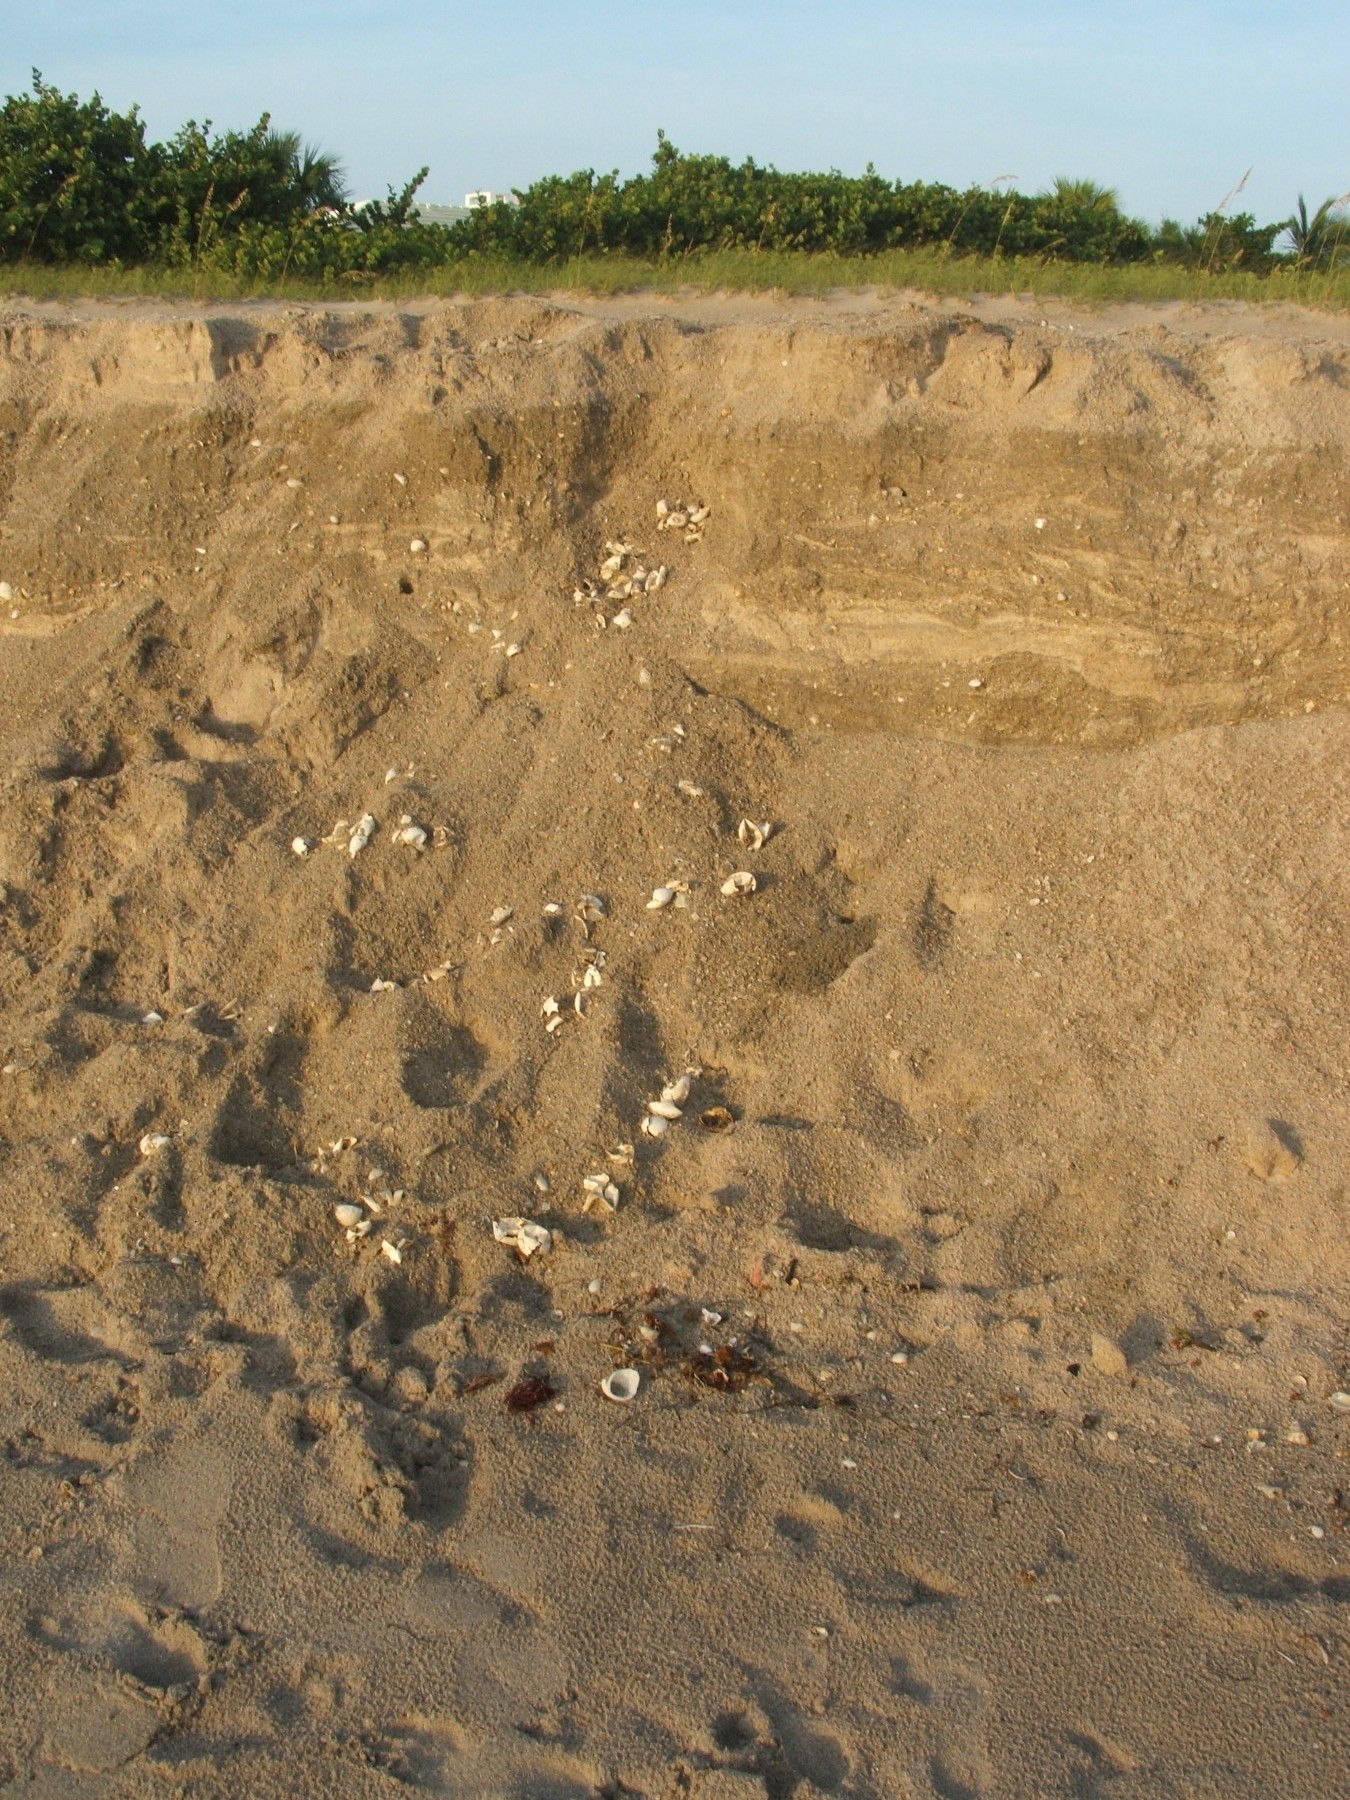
739,271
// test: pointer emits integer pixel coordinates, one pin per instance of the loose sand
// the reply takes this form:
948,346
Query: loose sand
1021,1475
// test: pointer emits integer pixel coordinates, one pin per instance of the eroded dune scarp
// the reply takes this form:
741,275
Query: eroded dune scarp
988,1441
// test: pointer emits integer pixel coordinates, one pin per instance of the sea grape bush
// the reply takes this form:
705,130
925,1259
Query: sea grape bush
80,183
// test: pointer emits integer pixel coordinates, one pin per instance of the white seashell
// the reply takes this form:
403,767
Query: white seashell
402,480
541,1182
417,546
550,1007
392,1251
295,482
691,790
742,882
411,834
551,909
6,592
500,914
579,1004
592,978
1341,1400
610,567
365,830
655,1126
756,835
600,1192
523,1235
623,618
152,1141
676,519
348,1215
621,1385
664,1109
656,580
514,649
678,1090
662,508
301,846
381,986
661,896
697,514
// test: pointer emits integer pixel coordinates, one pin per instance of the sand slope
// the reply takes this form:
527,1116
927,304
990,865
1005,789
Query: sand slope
1027,631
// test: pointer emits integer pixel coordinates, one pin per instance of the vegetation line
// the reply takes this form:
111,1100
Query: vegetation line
741,271
89,206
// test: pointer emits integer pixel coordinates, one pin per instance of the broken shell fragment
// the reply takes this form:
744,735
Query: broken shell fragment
500,914
664,1109
600,1193
365,830
410,833
523,1235
661,896
754,834
623,618
621,1385
349,1216
742,882
152,1141
716,1118
301,846
394,1252
655,1126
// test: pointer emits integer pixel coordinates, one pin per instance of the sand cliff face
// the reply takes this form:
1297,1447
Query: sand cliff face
1026,631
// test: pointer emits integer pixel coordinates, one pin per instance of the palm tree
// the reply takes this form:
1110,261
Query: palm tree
1083,195
315,176
1323,238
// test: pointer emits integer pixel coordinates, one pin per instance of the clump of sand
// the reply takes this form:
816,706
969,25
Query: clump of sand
991,1425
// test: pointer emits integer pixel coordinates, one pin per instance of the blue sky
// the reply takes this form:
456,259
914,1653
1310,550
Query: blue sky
1170,103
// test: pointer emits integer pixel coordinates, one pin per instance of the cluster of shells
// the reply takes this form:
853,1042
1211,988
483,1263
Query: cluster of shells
408,833
360,1219
589,971
662,1113
624,576
685,516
